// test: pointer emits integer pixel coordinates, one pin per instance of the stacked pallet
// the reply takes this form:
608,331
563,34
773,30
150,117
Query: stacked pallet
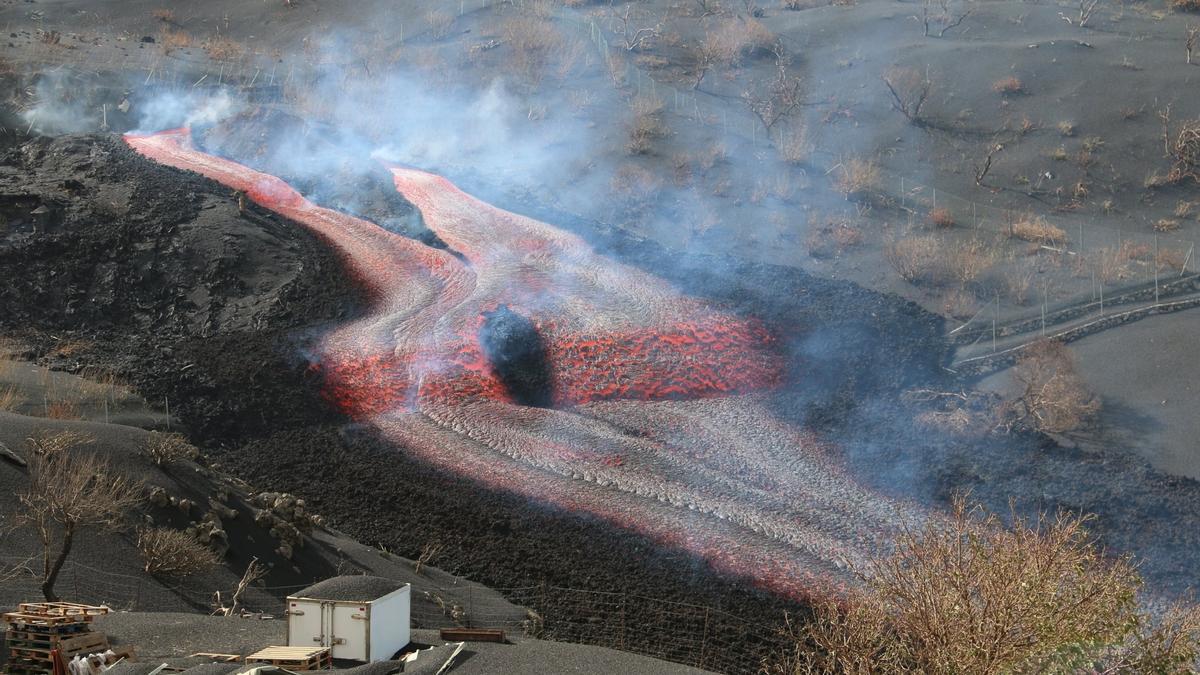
38,632
294,658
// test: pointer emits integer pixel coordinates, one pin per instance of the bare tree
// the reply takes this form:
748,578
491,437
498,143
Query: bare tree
982,169
1189,43
632,32
1086,7
782,95
909,90
254,571
69,491
1053,396
936,15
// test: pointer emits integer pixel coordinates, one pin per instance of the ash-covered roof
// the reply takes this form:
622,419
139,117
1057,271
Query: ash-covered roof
351,588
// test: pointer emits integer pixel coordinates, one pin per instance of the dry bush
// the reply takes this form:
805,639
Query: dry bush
913,258
1184,209
967,260
533,45
796,148
1185,5
1185,149
941,217
62,410
1166,225
163,14
439,23
163,448
223,49
646,125
1017,284
832,238
959,303
1066,128
1053,397
1113,263
1169,258
173,40
929,260
803,4
70,492
857,177
1009,86
172,553
10,398
635,187
1035,229
966,594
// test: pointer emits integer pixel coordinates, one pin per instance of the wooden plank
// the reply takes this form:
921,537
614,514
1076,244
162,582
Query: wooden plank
223,658
473,634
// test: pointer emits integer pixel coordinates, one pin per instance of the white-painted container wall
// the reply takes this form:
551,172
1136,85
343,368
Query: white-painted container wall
369,631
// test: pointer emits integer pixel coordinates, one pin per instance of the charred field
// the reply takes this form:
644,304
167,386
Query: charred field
690,302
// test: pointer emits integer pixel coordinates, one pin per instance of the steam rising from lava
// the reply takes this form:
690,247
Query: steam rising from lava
656,421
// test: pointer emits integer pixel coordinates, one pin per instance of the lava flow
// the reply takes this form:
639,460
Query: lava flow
653,414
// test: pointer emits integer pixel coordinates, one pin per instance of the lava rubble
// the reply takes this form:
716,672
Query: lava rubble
657,420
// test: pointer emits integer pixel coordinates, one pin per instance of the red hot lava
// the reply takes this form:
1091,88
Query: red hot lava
655,425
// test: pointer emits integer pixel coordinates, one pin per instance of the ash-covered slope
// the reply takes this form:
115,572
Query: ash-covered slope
93,237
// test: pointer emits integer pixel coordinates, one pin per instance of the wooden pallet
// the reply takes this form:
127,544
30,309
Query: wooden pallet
294,658
61,609
14,619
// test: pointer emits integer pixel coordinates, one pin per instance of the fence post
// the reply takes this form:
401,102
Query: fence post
704,639
1156,269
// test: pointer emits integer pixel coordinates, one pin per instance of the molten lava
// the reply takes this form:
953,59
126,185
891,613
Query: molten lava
652,414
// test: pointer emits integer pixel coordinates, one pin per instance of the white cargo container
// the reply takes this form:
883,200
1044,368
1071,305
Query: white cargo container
360,618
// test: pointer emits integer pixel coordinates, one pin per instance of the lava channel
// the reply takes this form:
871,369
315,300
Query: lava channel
653,413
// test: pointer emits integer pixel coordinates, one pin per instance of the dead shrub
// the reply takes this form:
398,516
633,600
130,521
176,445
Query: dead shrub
959,303
832,238
1017,284
1035,229
971,594
1053,397
1168,258
1166,225
163,14
172,553
913,258
941,217
857,178
1185,149
1185,5
929,260
646,126
170,40
439,23
223,49
1009,86
533,43
796,148
164,448
635,186
62,410
10,398
966,260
